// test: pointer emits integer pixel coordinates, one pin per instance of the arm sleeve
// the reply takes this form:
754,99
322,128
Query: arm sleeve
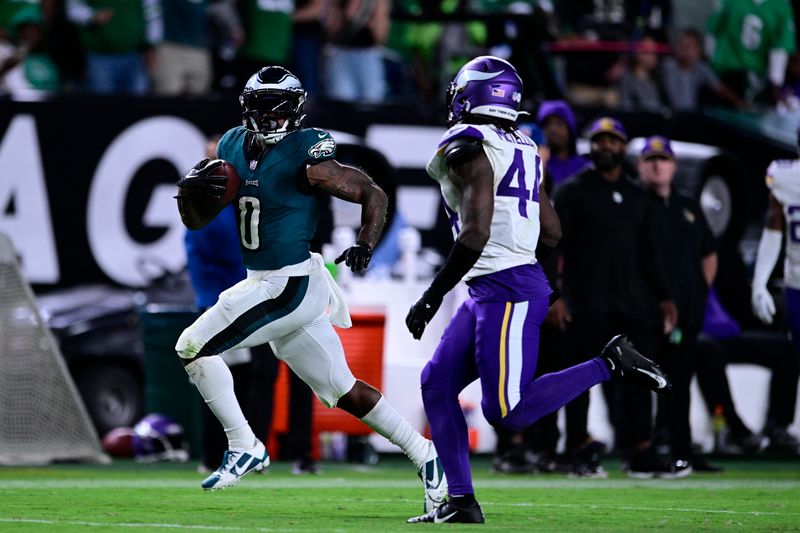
778,58
79,12
153,20
769,248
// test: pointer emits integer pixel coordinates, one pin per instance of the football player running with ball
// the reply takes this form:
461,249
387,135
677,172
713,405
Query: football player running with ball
284,170
491,179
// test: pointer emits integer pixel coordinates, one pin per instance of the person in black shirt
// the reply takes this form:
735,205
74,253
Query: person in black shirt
690,261
610,262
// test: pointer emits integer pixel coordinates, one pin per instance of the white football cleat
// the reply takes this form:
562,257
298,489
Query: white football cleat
235,464
433,480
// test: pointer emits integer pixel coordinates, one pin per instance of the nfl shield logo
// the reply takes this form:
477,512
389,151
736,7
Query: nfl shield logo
498,92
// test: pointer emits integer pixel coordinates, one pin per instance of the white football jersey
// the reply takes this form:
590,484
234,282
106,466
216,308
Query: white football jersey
783,180
517,181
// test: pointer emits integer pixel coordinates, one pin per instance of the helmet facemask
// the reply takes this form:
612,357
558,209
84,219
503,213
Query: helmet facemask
270,95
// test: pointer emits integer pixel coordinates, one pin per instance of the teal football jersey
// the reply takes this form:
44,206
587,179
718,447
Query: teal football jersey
276,216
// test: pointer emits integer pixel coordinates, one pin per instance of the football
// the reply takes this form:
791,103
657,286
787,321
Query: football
196,207
119,442
231,186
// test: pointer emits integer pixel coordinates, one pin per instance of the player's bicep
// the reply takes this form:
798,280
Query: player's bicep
341,181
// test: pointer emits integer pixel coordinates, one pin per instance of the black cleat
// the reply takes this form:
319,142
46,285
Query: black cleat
451,512
624,361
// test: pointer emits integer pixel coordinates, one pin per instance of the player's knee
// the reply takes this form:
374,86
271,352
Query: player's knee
510,423
432,377
494,416
187,347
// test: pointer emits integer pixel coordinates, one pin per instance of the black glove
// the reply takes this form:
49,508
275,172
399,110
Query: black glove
203,180
422,312
356,257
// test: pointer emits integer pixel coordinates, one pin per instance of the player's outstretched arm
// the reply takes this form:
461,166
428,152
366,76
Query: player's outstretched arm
353,185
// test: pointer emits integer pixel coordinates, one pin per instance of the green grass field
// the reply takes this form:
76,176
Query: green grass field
748,496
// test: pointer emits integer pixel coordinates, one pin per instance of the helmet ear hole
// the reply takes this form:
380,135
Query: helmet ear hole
487,86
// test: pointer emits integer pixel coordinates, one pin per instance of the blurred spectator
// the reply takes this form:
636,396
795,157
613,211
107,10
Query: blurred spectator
610,259
268,36
630,15
357,29
307,47
182,59
26,70
118,36
690,262
558,124
226,34
685,75
638,88
519,38
751,43
9,8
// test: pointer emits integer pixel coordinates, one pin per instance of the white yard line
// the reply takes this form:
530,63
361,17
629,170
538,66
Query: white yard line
129,524
321,482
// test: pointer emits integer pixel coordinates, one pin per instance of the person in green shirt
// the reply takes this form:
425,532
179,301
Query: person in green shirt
268,29
183,59
752,40
26,71
118,36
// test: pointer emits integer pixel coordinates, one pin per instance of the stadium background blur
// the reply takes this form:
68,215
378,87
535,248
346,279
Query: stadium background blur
90,162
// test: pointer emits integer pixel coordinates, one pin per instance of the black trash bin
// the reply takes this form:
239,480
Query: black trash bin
167,388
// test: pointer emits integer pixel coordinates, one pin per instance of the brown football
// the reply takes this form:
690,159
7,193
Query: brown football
119,442
231,186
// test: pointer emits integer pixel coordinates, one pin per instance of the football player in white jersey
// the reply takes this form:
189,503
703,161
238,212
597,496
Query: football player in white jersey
783,215
491,175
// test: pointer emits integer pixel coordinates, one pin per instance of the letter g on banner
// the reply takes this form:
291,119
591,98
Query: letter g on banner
119,256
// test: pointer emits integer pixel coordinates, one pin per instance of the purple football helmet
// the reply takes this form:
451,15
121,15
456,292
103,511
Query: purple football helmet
159,438
486,86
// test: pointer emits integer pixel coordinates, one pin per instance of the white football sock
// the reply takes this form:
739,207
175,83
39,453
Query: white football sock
388,423
214,381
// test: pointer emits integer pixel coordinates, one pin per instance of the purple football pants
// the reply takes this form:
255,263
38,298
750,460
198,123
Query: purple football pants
497,342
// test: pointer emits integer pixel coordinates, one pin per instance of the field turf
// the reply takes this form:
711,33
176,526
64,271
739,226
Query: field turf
748,496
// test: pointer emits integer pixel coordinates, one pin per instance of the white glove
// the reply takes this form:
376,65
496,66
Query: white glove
763,304
769,248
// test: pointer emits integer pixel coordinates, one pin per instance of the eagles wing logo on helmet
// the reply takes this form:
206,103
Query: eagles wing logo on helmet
323,148
272,103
